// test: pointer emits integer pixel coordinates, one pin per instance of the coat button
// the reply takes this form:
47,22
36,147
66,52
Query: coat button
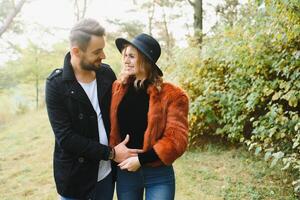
72,92
80,116
80,159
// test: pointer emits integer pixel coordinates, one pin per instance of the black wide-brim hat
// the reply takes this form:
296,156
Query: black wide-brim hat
147,45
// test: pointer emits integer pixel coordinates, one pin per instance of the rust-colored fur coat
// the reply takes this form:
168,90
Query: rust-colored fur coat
167,129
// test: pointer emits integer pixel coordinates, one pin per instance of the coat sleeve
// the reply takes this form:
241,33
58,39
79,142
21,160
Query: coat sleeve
65,137
175,137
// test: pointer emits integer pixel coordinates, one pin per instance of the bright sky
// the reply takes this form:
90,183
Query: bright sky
60,14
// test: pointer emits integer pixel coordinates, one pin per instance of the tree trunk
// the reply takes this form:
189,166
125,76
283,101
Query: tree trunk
198,19
84,9
9,19
76,6
80,13
150,17
168,38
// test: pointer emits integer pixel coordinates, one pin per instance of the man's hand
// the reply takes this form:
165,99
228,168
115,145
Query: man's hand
122,152
131,164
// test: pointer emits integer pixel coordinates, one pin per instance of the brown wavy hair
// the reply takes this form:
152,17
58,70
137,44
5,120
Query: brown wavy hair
144,67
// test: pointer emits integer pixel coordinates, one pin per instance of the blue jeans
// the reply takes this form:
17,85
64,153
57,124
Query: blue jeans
103,190
158,183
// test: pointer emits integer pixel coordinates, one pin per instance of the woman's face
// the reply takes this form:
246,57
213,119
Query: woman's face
130,58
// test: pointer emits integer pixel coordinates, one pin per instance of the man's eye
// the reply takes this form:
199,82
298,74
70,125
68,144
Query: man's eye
97,52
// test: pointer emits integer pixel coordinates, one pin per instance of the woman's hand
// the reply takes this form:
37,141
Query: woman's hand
126,74
131,164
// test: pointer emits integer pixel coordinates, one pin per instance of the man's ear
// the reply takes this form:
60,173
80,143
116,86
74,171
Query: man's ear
75,51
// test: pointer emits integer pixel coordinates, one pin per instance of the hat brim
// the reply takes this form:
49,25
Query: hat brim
121,42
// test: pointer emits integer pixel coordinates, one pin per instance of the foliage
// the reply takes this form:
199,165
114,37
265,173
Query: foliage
113,56
22,80
228,11
246,87
127,29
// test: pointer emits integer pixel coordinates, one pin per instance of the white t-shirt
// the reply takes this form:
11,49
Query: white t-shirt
91,91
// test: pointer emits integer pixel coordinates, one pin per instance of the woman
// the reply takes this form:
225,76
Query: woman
154,114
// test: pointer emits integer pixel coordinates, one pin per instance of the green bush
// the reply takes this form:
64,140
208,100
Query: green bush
246,85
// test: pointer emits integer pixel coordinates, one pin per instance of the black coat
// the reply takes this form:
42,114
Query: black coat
77,150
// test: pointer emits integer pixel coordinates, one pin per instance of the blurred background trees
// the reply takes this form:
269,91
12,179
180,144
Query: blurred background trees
8,15
243,81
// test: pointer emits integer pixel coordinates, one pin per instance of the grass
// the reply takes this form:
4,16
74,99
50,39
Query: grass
215,173
25,158
220,172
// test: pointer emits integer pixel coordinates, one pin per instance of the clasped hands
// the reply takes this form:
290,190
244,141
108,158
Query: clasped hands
127,158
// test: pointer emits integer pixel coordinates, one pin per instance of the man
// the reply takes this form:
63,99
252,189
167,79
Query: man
78,102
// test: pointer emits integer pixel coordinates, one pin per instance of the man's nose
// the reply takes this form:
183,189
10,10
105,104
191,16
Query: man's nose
102,55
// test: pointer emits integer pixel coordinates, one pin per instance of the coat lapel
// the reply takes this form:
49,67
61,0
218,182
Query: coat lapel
76,91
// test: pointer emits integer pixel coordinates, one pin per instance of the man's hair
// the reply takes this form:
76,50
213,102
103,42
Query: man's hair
82,32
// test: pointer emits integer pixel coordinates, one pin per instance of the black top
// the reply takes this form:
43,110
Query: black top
132,118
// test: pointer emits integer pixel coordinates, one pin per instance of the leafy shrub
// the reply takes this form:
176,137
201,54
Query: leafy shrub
246,85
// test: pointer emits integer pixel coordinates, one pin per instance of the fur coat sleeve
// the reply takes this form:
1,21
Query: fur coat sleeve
167,129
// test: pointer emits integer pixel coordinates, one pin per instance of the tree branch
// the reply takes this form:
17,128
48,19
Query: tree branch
84,9
9,19
77,12
14,47
192,3
151,10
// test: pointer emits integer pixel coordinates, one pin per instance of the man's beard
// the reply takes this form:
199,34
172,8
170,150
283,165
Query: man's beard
88,66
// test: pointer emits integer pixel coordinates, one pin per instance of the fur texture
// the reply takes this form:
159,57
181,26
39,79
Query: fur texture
167,129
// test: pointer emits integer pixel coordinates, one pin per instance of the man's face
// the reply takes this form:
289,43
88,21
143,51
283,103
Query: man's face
92,57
